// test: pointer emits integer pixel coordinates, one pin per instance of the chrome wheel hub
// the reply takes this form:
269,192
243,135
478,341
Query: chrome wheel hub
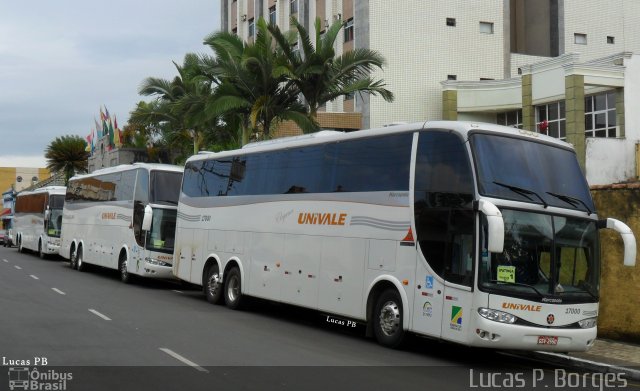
390,318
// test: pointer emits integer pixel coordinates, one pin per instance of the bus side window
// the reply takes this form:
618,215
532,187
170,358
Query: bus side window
141,198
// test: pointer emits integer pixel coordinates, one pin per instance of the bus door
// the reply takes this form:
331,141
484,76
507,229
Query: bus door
186,255
458,273
428,300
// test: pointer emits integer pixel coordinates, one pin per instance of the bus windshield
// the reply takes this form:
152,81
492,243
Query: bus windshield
545,258
526,170
165,187
54,223
163,229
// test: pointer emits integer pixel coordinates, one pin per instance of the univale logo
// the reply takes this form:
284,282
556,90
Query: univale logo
522,307
322,218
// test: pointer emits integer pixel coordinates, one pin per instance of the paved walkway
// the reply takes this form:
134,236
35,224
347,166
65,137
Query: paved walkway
612,352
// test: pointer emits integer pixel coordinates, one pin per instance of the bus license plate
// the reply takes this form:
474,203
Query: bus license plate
547,340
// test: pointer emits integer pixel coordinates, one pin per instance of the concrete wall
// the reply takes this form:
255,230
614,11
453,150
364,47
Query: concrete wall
620,286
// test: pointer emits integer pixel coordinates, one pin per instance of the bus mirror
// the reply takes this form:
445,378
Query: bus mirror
47,213
495,226
148,216
628,239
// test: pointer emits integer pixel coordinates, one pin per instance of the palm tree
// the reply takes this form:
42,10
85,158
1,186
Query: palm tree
319,75
252,83
67,154
179,104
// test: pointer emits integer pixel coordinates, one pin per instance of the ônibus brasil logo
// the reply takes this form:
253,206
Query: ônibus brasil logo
24,378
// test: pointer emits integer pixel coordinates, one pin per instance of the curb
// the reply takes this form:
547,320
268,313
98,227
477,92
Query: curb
594,366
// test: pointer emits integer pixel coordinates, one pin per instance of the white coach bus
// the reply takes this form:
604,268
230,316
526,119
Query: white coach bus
38,220
473,233
123,218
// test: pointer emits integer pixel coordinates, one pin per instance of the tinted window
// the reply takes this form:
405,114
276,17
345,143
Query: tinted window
443,200
374,164
165,187
56,201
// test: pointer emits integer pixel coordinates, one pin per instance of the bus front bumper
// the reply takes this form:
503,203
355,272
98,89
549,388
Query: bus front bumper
491,334
154,269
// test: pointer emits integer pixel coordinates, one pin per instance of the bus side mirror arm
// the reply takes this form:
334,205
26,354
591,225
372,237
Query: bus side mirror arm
146,220
628,239
495,222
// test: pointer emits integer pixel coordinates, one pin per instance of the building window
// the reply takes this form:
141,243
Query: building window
348,30
18,179
272,15
600,115
235,31
452,77
34,179
293,7
611,39
451,22
550,120
349,96
510,118
486,78
252,28
486,28
580,39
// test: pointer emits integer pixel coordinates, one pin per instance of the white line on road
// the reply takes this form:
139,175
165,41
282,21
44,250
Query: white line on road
58,291
184,360
34,277
99,314
5,261
176,291
17,267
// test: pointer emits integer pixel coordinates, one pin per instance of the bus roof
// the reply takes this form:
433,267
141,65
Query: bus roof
461,127
132,166
46,189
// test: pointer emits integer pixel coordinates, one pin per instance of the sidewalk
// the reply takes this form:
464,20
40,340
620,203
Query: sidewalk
604,356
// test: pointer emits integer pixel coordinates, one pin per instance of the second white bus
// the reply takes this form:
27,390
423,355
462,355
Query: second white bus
38,220
123,218
477,234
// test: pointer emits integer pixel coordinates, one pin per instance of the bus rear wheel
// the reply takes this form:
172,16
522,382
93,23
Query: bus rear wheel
80,266
213,285
20,249
233,289
387,319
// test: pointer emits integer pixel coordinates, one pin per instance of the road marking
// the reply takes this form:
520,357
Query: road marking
176,291
34,277
5,261
99,314
184,360
17,267
58,291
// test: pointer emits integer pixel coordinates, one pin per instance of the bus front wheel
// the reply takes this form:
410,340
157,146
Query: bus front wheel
232,289
387,319
41,254
124,273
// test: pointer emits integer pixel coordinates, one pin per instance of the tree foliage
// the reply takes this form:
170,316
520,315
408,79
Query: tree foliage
67,154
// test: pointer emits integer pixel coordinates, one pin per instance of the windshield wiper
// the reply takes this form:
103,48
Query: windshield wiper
523,192
518,284
570,200
168,202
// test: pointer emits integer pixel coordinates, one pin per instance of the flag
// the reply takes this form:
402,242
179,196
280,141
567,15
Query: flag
118,135
98,128
106,113
89,138
102,116
111,134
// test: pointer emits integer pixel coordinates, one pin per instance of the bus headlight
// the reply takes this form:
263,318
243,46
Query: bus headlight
588,323
496,316
155,262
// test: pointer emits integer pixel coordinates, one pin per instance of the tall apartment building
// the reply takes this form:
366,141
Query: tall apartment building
481,59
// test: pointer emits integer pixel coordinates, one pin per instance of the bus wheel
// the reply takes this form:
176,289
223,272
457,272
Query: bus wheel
387,319
213,285
20,249
80,266
232,289
40,253
124,273
73,262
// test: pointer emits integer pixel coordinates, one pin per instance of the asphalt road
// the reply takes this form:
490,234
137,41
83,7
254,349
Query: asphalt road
162,335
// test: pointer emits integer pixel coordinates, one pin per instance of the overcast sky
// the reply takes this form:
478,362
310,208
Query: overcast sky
61,60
